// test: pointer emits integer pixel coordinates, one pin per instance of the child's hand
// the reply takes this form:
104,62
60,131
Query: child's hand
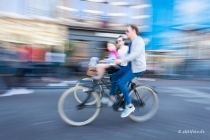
118,61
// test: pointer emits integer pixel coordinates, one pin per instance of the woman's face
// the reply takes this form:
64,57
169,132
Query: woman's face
111,47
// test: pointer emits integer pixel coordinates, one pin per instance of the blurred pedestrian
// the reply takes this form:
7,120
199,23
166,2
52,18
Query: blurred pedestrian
16,66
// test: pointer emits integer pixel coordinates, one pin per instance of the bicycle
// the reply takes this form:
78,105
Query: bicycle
88,98
100,89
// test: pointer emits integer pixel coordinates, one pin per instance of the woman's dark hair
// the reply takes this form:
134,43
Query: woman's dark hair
121,37
134,27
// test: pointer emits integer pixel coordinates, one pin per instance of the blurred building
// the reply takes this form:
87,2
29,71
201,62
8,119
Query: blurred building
93,22
180,38
53,22
176,32
88,24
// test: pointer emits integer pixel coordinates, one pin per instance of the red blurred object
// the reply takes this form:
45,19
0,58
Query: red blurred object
38,54
31,53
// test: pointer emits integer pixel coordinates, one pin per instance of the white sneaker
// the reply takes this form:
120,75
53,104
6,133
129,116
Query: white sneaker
105,100
127,111
110,103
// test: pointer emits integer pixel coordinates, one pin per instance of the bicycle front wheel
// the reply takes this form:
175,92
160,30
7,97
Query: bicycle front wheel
78,114
84,81
145,101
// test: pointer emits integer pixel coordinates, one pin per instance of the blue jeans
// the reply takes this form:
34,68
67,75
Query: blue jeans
120,80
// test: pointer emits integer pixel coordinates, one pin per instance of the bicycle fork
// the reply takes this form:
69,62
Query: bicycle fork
139,101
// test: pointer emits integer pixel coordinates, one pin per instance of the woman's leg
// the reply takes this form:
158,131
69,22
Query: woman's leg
122,84
115,77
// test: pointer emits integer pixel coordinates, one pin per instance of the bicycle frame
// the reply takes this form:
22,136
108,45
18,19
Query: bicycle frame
102,82
136,93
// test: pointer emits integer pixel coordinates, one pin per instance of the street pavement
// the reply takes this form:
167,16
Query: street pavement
183,114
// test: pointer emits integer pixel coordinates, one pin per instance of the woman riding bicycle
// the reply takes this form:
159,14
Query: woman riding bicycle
136,66
122,51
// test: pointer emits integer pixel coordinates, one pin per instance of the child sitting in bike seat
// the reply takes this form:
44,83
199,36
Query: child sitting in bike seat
106,63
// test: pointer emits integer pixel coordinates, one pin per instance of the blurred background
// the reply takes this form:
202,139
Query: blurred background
52,39
45,47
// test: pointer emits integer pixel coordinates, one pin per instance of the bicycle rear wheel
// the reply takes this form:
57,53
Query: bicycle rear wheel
84,81
145,101
78,114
